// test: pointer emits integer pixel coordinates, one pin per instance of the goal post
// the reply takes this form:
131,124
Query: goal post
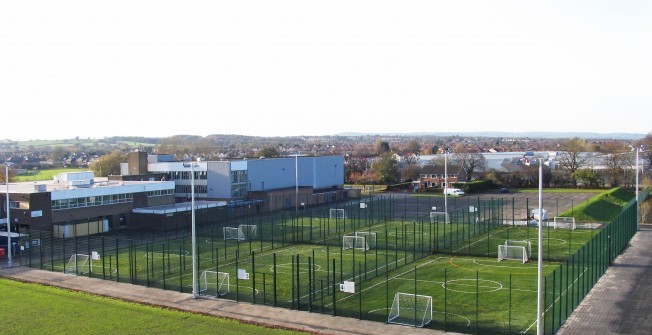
370,238
230,233
336,213
564,222
214,283
411,310
246,232
354,242
512,252
521,243
439,217
77,263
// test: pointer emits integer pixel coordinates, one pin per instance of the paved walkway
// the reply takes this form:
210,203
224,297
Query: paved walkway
621,301
255,314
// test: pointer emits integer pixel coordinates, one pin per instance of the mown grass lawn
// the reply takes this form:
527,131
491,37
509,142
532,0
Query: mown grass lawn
38,309
37,175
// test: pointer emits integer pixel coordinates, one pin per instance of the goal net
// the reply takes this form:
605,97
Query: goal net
336,213
411,310
246,232
354,242
231,233
439,217
78,263
512,252
564,222
369,237
214,283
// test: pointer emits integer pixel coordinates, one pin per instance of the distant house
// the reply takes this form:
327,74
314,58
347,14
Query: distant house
435,176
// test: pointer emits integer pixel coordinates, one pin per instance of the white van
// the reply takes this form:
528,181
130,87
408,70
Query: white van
453,191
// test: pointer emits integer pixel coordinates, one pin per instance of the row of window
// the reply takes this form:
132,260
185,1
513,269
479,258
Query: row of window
92,201
160,193
19,204
239,176
186,189
185,175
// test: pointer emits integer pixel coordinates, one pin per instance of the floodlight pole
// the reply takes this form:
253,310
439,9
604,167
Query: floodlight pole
296,183
195,290
10,263
446,181
540,254
637,218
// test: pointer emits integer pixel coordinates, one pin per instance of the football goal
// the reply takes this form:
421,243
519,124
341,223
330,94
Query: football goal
78,263
439,217
214,283
564,222
241,233
512,249
411,310
247,232
354,242
336,213
369,237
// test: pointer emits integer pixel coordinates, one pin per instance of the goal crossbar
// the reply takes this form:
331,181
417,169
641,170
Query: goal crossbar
370,237
354,242
439,217
336,213
564,222
214,283
78,263
512,252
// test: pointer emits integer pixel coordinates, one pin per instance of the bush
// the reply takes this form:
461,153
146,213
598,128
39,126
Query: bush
399,186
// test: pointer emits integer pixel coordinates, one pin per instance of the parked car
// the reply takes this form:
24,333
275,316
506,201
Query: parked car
453,191
504,190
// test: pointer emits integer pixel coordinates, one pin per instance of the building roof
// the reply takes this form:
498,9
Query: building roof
178,207
97,187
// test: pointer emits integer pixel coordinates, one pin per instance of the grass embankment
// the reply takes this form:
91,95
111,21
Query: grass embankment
38,309
604,207
555,190
36,175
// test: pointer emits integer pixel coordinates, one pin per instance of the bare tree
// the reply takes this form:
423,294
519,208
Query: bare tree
616,158
470,159
571,158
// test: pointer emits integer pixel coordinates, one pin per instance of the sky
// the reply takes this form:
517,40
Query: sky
159,68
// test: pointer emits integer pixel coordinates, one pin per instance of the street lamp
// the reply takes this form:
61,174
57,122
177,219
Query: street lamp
195,289
9,261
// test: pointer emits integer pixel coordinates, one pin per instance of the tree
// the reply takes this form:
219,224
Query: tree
386,168
108,164
268,152
410,172
588,177
413,147
3,173
571,158
381,147
469,159
646,144
616,158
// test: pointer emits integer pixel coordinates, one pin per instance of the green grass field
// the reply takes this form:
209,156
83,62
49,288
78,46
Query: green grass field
37,175
303,263
38,309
